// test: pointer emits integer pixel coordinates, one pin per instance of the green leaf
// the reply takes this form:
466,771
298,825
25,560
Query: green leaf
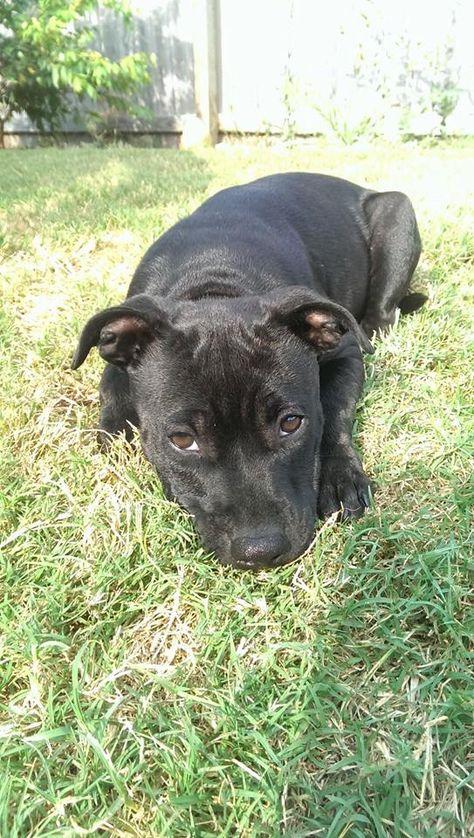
47,55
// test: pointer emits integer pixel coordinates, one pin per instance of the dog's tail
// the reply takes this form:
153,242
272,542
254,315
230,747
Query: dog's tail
412,302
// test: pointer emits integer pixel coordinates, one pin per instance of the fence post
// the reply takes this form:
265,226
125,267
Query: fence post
206,66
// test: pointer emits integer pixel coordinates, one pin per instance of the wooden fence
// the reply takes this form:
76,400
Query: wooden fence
346,67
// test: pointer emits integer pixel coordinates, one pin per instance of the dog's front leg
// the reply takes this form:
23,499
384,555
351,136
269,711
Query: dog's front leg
343,486
117,412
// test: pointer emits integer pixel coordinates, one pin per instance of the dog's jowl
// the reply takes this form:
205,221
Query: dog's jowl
238,355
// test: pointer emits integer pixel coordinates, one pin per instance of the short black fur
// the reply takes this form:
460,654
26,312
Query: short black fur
246,319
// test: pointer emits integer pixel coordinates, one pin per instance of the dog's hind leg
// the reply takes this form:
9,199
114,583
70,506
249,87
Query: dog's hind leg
117,413
395,248
343,485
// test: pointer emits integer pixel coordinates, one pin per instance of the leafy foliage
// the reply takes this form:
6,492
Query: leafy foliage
48,63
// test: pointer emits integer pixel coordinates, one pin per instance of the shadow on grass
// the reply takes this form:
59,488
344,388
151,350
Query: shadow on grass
58,193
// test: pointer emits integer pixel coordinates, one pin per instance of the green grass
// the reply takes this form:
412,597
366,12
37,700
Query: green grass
145,690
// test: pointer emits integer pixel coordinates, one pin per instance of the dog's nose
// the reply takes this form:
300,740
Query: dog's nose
262,548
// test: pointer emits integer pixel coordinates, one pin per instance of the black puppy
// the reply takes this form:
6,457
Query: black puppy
238,355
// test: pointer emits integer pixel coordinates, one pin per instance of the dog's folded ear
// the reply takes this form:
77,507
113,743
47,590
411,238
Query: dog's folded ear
315,319
123,332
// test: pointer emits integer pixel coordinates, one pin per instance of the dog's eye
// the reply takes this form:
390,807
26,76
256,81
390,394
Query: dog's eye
185,442
290,424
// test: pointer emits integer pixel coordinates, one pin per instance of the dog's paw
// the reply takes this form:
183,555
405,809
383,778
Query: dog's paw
112,424
343,487
104,439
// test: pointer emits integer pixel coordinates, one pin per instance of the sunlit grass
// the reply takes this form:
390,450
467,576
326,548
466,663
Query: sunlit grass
147,691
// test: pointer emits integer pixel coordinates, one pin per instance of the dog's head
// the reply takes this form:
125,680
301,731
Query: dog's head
227,395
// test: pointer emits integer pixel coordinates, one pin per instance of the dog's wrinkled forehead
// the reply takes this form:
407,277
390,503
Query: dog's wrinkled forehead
227,360
229,351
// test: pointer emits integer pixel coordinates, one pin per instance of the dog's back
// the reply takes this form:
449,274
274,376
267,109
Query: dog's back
285,229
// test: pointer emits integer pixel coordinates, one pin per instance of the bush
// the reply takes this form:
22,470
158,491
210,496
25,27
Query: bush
48,63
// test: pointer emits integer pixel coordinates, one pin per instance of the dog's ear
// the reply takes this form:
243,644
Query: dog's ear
123,332
315,319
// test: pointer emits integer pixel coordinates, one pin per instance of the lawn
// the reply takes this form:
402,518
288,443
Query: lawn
144,689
